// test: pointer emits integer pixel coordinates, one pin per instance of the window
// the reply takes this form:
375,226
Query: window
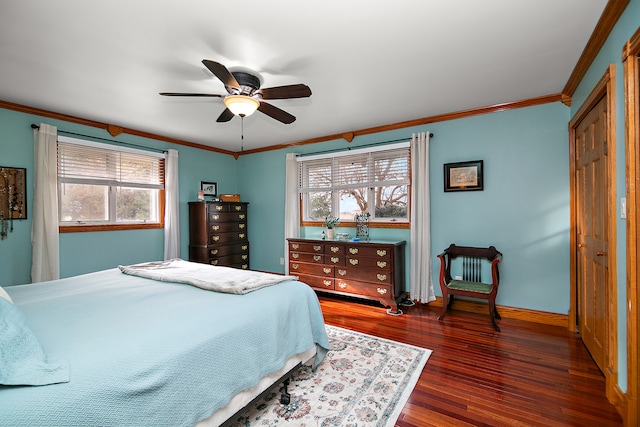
105,185
374,181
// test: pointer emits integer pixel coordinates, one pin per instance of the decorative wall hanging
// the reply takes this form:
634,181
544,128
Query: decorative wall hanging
13,200
463,176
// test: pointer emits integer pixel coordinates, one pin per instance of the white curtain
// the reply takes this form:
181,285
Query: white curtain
291,204
420,275
172,207
45,261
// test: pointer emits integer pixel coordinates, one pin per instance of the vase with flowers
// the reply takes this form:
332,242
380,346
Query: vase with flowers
330,222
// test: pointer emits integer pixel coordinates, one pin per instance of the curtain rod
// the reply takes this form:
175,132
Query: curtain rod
373,144
126,144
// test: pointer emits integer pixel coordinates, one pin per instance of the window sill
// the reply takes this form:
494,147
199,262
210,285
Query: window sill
351,224
107,227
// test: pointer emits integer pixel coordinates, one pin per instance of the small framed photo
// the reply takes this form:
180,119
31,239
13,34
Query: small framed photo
209,188
463,176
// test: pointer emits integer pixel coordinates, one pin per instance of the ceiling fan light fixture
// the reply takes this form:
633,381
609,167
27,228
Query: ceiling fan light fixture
241,105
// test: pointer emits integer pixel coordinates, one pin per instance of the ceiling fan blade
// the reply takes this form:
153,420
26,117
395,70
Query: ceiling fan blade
276,113
221,72
225,116
213,95
285,92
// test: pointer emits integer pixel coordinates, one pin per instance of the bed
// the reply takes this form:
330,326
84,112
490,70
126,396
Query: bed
126,350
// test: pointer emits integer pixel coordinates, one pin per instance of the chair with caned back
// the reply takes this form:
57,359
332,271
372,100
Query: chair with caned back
469,266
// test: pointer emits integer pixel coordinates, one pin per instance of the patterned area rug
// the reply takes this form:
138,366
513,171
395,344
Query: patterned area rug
364,381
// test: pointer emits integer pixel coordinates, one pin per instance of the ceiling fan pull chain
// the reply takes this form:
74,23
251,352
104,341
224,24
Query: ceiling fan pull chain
242,133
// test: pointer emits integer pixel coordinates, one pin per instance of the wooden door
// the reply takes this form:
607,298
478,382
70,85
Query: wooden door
592,239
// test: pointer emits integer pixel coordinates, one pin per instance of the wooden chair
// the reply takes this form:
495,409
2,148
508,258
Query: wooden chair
469,283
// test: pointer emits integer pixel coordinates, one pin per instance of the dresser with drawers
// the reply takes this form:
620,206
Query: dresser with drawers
218,233
370,270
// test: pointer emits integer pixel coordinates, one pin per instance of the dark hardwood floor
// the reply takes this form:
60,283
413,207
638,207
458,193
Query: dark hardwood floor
526,375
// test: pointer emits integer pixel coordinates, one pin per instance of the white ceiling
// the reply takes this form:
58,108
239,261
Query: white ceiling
368,62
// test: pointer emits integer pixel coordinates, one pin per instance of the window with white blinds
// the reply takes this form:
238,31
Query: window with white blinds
374,181
90,164
103,184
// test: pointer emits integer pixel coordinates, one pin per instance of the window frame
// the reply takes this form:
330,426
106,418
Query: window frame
66,227
335,197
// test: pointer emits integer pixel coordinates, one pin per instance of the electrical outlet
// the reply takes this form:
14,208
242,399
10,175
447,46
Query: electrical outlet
623,207
281,261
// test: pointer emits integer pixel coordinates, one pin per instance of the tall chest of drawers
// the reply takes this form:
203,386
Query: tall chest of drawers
218,233
370,270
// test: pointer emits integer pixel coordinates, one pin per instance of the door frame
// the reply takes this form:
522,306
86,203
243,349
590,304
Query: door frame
604,88
630,53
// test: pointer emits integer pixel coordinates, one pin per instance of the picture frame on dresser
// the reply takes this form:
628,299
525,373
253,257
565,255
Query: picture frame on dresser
209,188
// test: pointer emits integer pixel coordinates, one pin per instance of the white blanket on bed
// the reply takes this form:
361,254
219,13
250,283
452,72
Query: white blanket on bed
205,276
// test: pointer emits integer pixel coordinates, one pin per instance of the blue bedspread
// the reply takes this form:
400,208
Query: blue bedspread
142,352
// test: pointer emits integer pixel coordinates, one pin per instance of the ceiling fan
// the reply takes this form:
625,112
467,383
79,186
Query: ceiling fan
245,95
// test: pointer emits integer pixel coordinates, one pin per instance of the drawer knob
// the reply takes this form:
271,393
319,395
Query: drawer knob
382,277
218,208
335,249
381,252
295,266
342,272
317,257
295,255
241,235
244,247
214,251
326,270
381,291
295,246
215,227
238,208
215,238
242,226
335,259
245,257
342,285
353,250
242,216
245,266
382,264
317,248
215,217
214,262
353,261
327,282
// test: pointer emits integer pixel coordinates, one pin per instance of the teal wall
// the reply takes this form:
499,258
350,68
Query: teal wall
86,252
611,53
523,210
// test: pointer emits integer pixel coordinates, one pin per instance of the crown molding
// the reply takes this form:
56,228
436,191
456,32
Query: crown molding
348,136
113,130
612,12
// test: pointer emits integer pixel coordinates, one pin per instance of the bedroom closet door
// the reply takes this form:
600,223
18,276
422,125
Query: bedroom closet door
592,239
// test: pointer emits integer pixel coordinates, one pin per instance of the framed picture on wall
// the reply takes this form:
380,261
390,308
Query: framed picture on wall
464,176
209,188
